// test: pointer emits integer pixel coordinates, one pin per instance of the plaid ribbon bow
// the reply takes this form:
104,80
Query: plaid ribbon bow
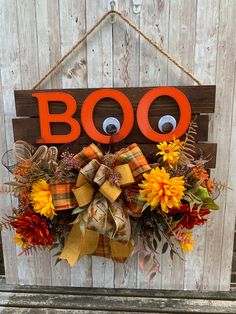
108,218
104,215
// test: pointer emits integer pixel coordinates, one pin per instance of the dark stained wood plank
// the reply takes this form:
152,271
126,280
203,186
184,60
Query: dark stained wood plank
23,310
204,150
155,293
116,303
28,129
201,98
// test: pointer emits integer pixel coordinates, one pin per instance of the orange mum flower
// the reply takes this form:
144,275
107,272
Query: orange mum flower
24,197
209,184
200,173
23,169
159,189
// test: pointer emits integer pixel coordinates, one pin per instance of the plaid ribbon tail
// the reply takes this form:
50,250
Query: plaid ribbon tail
91,243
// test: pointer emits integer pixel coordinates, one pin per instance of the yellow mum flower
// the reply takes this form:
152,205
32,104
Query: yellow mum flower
41,198
187,242
170,151
159,189
20,241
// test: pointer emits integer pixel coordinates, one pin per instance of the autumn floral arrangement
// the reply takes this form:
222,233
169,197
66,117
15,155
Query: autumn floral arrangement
111,204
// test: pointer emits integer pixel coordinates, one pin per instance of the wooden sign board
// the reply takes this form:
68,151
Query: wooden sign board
201,98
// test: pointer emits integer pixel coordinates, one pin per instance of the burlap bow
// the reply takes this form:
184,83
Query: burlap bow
24,151
106,212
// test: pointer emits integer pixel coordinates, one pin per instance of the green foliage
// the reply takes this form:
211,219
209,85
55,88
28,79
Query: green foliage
78,210
202,193
210,204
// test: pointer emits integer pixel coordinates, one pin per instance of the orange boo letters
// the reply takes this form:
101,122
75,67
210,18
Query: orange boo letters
143,108
66,117
87,115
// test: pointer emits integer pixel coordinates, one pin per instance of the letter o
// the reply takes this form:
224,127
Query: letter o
145,104
87,115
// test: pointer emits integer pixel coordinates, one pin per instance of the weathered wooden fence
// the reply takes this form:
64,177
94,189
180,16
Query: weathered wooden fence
199,34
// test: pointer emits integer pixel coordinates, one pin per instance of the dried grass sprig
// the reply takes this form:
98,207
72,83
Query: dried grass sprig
6,189
222,186
188,150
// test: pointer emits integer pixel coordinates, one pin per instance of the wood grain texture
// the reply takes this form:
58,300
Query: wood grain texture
10,79
48,40
125,304
29,71
126,67
181,33
154,20
73,26
205,67
10,259
28,129
182,23
100,73
23,310
109,301
141,293
74,74
220,229
228,247
226,78
201,98
200,34
48,52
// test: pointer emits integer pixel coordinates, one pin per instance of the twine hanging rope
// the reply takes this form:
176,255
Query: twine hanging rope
132,25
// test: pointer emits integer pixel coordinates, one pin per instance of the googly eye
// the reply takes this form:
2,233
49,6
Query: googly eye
167,124
111,126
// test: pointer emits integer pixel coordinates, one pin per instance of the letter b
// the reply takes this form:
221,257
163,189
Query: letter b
46,117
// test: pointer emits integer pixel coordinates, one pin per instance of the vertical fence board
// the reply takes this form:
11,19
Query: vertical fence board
74,74
229,218
181,46
229,225
220,229
99,54
54,40
27,37
43,41
126,57
46,25
48,29
10,259
10,79
73,22
204,69
60,272
154,20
